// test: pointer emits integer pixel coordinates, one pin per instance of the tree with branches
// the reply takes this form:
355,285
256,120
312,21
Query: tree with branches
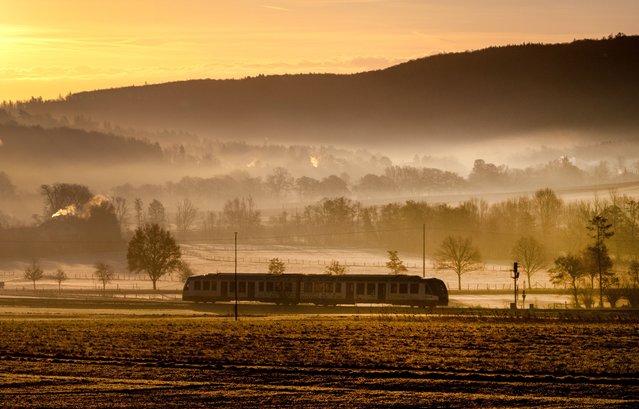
60,276
153,250
156,213
458,254
276,266
104,273
531,256
185,216
184,270
395,264
335,268
568,270
33,272
599,229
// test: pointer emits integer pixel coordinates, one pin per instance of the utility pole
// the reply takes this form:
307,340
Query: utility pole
599,250
235,276
515,276
424,250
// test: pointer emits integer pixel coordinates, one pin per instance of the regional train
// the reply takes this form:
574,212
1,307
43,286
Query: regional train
319,289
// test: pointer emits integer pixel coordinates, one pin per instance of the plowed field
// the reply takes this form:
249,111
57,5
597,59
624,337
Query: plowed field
316,361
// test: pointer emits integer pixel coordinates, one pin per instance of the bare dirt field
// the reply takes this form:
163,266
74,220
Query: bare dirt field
73,357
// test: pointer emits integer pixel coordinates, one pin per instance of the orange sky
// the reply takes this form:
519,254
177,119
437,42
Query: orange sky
50,48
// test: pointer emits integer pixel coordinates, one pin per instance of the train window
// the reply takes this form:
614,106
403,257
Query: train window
288,286
224,286
393,288
198,285
308,287
231,287
403,288
370,288
318,287
206,285
328,287
214,286
241,286
414,288
260,286
278,286
360,288
338,287
269,287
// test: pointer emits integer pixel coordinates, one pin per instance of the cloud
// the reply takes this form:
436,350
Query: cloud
275,8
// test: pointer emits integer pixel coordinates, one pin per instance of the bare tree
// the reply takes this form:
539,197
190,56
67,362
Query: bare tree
531,256
458,254
62,195
154,251
633,272
394,264
335,268
547,205
104,273
186,215
139,212
60,276
280,181
33,273
276,266
568,270
184,270
156,213
121,208
600,231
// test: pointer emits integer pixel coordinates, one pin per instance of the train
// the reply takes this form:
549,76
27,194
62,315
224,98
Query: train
319,289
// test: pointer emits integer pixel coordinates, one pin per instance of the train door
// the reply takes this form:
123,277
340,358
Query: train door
350,292
251,290
381,291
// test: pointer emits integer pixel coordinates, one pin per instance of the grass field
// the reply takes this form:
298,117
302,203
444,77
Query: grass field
67,357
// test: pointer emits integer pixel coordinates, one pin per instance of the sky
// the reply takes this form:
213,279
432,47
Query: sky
51,48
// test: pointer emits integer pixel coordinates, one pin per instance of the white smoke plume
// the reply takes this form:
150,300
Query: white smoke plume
85,211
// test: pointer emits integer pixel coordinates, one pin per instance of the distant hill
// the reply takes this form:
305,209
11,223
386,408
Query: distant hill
33,145
589,85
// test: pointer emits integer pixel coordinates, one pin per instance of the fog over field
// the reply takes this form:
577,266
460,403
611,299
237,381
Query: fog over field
479,144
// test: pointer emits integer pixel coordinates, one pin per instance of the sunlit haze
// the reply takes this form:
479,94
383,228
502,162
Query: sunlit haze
52,48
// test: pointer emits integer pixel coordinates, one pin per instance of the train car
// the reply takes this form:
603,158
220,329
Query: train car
319,289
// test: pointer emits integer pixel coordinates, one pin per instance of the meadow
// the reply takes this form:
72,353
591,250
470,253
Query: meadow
378,360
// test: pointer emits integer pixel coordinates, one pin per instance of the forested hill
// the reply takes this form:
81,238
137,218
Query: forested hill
584,85
42,147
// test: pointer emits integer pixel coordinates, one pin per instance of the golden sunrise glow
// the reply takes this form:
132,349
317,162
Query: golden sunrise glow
52,48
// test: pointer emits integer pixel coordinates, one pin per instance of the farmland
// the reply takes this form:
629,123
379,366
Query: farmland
83,358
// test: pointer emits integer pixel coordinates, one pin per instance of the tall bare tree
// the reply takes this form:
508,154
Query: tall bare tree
139,212
121,209
153,250
104,273
600,231
458,254
548,206
530,255
156,213
33,273
186,215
